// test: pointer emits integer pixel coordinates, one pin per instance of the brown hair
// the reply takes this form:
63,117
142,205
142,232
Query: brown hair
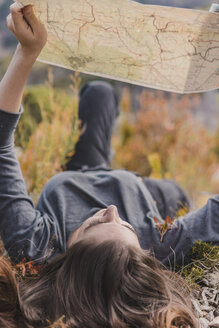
109,285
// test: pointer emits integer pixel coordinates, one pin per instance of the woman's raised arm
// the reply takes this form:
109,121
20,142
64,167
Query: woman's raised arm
26,232
32,37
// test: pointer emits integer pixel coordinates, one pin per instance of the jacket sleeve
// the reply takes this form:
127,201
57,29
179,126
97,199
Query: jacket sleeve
26,232
202,224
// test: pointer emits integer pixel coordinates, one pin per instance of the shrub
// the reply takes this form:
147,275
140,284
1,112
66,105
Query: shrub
47,133
164,140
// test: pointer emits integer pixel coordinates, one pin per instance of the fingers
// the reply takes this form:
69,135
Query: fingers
21,17
29,31
30,17
16,15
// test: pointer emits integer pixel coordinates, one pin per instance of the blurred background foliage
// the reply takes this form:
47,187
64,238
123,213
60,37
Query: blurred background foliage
47,132
163,139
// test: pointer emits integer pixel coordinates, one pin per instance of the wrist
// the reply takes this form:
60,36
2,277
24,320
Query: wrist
27,54
13,82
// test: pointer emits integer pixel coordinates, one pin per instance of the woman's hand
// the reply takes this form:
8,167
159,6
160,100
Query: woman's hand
29,31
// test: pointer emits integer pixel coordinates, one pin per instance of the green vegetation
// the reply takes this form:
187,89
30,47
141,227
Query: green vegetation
47,134
204,258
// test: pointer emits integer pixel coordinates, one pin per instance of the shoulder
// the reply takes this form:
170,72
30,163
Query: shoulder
125,176
68,179
61,179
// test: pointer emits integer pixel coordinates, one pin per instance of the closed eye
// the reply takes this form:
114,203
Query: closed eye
130,227
96,222
93,223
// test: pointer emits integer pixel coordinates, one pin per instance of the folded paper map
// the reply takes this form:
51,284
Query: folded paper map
165,48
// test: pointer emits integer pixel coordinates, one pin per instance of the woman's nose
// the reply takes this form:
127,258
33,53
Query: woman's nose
112,214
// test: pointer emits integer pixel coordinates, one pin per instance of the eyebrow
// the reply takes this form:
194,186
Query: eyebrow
124,225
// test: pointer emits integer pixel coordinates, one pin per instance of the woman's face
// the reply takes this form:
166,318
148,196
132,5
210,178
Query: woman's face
105,225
